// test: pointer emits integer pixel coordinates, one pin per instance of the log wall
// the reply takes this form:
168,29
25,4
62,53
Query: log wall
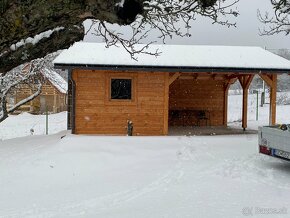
49,96
189,96
96,113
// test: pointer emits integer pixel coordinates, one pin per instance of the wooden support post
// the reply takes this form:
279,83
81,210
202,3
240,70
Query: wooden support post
245,109
271,81
245,81
227,85
173,78
273,98
166,104
226,91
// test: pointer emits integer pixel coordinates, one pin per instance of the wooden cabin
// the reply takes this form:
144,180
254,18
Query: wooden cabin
184,86
52,97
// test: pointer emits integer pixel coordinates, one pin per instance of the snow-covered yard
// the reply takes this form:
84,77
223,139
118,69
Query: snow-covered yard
20,125
235,111
173,176
88,176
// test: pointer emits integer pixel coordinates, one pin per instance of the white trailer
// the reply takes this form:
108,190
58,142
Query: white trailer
275,142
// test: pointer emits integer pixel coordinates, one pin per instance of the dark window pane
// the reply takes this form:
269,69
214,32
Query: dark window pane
121,89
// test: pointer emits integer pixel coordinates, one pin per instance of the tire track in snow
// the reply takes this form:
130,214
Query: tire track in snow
114,200
186,155
254,168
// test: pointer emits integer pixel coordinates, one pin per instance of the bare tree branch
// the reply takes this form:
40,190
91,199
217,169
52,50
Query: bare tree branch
279,22
165,17
33,29
21,22
26,74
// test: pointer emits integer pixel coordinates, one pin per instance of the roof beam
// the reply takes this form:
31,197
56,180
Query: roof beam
246,80
174,77
171,69
267,79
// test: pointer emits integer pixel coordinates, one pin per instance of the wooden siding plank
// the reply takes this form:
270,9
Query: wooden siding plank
200,94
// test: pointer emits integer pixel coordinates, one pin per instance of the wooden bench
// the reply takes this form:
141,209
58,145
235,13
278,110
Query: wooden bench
189,117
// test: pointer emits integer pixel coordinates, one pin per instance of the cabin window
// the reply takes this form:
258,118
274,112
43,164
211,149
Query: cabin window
121,89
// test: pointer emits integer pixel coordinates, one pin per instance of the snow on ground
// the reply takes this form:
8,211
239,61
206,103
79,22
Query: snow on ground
235,111
173,176
20,125
89,176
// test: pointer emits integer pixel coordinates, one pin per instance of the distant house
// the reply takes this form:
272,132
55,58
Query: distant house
185,86
52,97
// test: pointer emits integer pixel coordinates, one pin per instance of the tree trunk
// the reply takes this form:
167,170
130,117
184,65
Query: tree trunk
22,19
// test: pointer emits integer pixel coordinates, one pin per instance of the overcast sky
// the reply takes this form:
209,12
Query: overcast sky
246,33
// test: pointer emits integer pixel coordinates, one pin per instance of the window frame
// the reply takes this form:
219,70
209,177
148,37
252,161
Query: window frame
131,89
133,79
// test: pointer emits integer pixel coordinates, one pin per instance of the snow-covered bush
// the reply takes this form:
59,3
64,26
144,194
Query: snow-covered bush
283,99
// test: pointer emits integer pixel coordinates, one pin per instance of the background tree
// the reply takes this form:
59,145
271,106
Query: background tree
280,21
284,79
30,29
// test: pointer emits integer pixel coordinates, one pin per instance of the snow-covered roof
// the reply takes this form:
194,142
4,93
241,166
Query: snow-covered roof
173,56
55,79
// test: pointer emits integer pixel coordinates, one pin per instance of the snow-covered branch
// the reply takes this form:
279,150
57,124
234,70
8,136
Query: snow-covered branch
24,101
31,74
35,39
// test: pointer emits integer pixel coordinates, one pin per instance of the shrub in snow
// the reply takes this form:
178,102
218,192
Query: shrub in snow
283,99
